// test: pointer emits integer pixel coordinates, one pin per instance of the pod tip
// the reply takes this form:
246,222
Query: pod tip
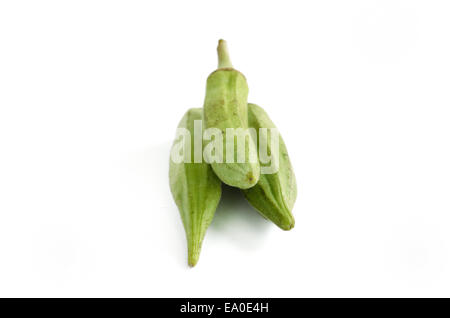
287,226
193,255
192,263
193,259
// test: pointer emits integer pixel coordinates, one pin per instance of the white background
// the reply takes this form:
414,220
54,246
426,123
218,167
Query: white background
91,93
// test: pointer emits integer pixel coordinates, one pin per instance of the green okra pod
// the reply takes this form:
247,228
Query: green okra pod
195,188
225,108
275,193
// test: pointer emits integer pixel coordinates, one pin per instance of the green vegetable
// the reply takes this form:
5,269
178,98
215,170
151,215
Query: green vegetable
196,190
226,107
274,194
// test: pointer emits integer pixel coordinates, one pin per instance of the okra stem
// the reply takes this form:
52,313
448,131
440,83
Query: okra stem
224,56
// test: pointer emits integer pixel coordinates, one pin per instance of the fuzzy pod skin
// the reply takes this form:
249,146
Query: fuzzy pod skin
225,107
274,195
196,191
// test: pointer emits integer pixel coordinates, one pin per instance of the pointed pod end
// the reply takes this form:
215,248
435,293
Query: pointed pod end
193,255
288,226
192,262
288,222
249,181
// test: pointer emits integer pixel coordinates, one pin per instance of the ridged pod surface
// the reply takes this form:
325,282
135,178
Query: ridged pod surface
225,107
274,194
196,190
